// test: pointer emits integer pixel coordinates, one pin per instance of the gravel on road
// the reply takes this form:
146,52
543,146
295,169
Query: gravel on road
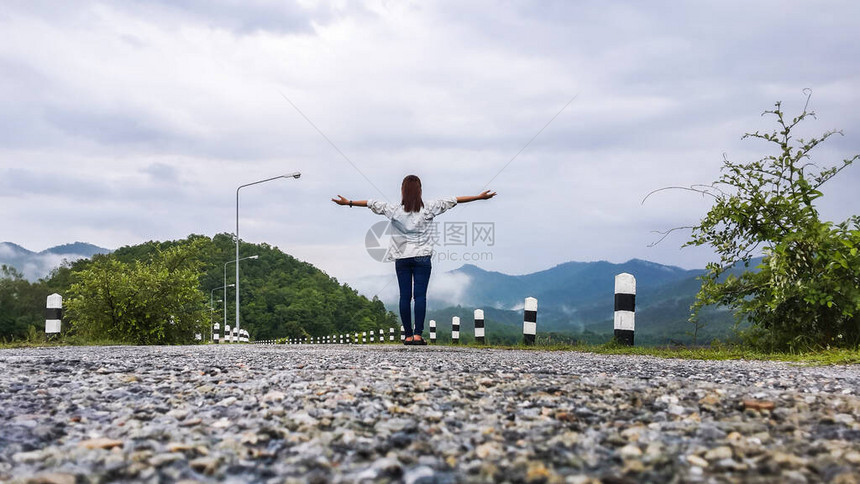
386,413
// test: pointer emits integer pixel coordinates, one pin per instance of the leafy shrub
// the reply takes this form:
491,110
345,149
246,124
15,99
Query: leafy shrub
805,293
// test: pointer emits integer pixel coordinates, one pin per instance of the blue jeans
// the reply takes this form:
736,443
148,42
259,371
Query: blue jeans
409,269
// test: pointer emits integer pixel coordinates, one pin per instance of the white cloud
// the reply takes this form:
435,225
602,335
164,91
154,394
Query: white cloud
128,121
445,288
449,287
7,251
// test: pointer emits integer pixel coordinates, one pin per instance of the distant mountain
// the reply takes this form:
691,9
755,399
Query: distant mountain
570,284
36,265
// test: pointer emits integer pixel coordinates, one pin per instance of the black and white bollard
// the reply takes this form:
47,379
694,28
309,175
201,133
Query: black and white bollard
479,326
455,330
364,337
402,333
381,336
391,335
530,321
433,331
625,308
216,333
227,334
54,314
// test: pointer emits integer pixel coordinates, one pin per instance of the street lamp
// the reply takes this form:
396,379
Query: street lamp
295,175
212,303
212,319
231,285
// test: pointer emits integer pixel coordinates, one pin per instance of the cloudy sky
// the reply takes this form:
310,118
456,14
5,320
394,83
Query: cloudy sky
127,121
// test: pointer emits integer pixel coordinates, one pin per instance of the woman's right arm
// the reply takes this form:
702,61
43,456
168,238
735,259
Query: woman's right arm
352,203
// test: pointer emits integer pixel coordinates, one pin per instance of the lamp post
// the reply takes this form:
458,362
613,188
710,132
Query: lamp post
212,303
231,285
295,175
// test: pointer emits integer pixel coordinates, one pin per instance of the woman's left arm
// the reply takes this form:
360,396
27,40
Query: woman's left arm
485,195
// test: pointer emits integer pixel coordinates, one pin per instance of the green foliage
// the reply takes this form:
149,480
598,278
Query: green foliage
805,292
22,305
283,297
154,301
130,295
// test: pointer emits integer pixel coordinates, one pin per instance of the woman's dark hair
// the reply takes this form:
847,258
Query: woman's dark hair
410,192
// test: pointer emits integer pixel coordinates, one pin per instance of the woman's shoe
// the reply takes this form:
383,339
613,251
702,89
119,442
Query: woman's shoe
419,341
409,341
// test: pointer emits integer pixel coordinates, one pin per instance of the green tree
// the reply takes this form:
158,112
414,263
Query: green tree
154,301
805,292
281,296
18,311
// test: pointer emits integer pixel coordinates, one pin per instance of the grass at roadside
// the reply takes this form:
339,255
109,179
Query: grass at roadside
718,352
55,342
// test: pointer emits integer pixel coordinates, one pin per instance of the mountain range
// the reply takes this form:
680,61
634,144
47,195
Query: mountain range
578,298
36,265
570,285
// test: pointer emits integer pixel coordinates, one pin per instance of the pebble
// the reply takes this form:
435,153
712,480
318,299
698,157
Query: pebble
100,443
418,475
630,451
719,453
753,404
244,413
52,478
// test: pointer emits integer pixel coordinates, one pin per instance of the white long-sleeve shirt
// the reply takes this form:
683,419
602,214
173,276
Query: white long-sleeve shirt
411,234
